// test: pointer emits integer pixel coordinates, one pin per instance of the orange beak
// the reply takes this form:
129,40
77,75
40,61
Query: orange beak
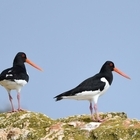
32,64
121,73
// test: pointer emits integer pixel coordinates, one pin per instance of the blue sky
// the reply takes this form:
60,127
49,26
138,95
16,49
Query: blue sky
71,40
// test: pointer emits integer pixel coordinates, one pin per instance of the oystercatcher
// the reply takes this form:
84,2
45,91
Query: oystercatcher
16,77
92,88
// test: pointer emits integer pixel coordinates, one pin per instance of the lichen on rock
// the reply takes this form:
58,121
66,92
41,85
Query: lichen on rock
26,125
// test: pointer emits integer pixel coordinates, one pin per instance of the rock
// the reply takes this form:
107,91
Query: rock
23,125
90,126
29,125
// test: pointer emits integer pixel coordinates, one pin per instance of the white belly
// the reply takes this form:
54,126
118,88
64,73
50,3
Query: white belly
13,85
90,95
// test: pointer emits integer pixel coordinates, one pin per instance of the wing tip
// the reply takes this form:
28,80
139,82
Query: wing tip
58,98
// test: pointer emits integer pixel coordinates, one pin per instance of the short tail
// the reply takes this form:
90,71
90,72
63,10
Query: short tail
58,98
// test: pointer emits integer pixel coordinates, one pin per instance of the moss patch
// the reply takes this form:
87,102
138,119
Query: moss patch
36,126
35,123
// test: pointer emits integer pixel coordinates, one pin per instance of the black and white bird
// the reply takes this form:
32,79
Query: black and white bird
92,88
16,77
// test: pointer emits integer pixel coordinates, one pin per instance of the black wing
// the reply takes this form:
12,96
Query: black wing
92,83
14,73
6,74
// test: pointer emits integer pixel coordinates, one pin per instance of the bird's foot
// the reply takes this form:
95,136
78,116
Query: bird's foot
20,109
102,120
93,118
12,111
99,119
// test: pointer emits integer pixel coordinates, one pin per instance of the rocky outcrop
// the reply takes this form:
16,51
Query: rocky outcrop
37,126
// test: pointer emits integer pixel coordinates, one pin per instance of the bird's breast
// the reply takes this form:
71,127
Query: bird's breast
103,79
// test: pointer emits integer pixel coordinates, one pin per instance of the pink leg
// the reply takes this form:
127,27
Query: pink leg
18,98
91,108
10,98
95,108
96,111
91,111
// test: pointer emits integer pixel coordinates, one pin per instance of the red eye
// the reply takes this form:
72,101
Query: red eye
23,55
110,64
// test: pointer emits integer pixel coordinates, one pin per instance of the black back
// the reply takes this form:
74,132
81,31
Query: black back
92,83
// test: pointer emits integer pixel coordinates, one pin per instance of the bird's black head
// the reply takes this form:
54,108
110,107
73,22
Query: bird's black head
20,58
108,65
